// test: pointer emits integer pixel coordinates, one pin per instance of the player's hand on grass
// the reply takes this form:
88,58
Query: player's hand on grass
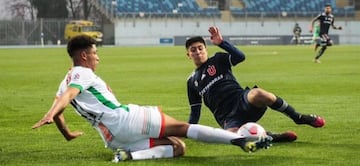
47,119
73,135
42,122
215,37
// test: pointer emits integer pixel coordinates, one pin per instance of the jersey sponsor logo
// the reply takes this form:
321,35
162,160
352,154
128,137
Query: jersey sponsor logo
327,22
328,18
211,83
211,70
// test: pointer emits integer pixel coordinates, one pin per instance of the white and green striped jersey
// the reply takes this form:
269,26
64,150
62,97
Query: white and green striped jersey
316,31
95,97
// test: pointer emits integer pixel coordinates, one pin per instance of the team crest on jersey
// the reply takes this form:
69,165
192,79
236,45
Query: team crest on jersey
211,70
76,76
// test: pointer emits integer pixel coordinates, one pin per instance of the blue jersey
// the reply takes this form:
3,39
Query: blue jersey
214,83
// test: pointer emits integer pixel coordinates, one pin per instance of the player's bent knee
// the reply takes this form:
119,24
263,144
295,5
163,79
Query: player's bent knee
259,93
259,97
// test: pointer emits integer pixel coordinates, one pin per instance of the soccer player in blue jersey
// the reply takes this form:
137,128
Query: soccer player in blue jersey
326,19
232,106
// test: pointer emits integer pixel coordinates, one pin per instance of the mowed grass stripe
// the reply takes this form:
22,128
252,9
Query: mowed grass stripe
157,76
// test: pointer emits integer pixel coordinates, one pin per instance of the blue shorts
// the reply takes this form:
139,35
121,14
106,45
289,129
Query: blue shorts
242,112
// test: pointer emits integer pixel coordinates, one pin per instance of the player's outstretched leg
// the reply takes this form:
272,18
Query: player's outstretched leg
312,120
320,53
316,46
252,146
121,155
209,134
161,151
216,135
167,147
288,136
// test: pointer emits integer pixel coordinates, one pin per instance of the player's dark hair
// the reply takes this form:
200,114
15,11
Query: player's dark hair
194,40
328,5
78,43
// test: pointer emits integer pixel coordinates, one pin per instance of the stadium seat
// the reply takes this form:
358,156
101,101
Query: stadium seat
300,8
251,8
186,8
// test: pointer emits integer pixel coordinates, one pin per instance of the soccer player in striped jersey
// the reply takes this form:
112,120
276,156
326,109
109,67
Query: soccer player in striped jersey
213,83
326,19
131,131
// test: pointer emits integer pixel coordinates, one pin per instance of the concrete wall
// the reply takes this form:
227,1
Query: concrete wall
145,32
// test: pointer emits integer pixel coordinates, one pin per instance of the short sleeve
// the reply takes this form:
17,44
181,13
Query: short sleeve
62,88
81,79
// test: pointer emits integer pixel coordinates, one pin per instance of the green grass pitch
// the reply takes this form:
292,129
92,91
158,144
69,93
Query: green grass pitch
29,78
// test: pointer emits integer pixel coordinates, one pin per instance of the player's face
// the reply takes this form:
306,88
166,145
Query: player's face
197,53
328,10
92,59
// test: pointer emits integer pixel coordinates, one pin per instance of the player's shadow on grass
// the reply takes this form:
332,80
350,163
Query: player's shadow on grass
317,144
246,159
271,156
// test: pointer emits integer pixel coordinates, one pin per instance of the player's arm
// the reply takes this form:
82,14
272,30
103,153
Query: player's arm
61,125
236,56
335,27
58,107
65,131
313,22
195,105
195,113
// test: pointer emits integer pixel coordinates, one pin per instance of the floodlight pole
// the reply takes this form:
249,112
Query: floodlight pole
41,32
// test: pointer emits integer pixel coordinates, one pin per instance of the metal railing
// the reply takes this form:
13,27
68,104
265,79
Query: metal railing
26,32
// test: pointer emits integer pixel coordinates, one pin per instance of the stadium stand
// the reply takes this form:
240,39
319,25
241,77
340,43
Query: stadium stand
160,8
300,8
238,8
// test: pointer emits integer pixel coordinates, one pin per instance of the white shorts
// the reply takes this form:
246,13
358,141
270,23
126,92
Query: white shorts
132,128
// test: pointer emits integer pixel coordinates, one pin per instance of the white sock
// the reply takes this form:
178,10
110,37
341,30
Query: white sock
210,134
163,151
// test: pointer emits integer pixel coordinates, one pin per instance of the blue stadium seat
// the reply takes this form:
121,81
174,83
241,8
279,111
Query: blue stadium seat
252,8
186,8
301,8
